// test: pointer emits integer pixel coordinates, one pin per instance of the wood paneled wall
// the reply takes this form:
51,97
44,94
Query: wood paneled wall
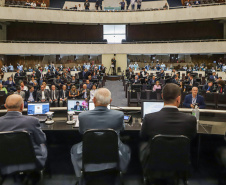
54,32
176,31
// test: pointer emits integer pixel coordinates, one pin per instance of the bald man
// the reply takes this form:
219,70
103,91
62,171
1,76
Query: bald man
192,99
15,121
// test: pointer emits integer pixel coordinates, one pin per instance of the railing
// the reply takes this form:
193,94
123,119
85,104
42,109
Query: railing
147,9
104,42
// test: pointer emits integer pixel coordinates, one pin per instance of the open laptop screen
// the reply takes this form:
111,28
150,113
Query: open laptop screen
151,107
92,106
37,108
77,105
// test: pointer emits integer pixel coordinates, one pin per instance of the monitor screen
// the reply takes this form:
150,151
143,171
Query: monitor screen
77,105
92,106
37,108
151,107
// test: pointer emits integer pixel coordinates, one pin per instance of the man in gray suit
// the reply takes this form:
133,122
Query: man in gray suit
54,96
100,118
15,121
42,95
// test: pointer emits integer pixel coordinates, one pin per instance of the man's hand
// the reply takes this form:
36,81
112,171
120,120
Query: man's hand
192,106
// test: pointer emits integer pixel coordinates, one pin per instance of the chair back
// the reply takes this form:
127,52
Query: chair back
16,149
169,153
100,147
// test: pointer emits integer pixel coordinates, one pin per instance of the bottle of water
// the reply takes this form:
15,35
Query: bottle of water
195,112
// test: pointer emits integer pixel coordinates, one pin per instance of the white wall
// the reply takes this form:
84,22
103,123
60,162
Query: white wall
121,61
167,48
27,14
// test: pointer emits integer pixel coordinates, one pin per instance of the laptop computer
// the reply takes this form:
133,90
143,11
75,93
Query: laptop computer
151,106
38,110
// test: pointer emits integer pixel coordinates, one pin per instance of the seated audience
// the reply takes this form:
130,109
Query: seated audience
42,95
221,86
14,106
23,87
208,87
73,93
30,95
100,118
92,92
33,4
33,81
136,80
153,80
10,84
156,86
192,99
54,96
43,5
89,84
168,121
213,77
64,94
84,92
3,88
46,87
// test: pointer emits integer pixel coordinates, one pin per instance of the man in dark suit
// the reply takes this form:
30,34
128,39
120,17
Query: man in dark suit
143,73
15,121
54,96
208,87
42,95
63,96
101,118
192,99
168,121
84,92
78,107
113,63
213,77
30,95
136,80
10,84
152,80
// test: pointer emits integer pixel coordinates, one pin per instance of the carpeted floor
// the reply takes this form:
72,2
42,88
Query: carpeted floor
117,93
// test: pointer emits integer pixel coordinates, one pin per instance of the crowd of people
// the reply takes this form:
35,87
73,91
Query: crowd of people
190,82
56,86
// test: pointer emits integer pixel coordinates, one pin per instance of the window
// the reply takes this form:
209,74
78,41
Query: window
114,33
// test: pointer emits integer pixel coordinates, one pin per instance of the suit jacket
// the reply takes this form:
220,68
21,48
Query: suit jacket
188,101
32,126
213,77
205,87
82,94
57,94
141,74
7,83
27,94
39,95
38,74
100,118
168,121
66,94
81,108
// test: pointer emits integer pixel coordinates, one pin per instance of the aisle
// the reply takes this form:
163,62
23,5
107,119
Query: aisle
117,93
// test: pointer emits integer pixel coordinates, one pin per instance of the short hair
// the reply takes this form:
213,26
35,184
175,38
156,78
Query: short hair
77,101
17,87
221,82
29,87
170,92
103,96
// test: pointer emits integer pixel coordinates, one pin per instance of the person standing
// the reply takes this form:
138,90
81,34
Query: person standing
139,4
127,4
86,5
122,5
113,65
133,4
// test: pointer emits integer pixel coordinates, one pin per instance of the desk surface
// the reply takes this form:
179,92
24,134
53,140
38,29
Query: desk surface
207,125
